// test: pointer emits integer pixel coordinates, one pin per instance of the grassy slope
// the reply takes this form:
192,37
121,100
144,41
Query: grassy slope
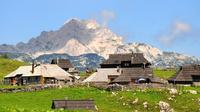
164,74
8,65
105,101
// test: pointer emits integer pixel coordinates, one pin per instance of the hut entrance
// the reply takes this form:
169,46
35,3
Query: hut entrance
18,79
196,78
144,80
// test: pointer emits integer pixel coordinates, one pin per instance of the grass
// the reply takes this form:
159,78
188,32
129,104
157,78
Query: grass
106,102
84,75
8,65
121,101
164,74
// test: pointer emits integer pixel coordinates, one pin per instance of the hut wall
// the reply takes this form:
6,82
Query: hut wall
49,80
30,80
110,65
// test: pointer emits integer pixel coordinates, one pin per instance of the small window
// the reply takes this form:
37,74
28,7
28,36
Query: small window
126,64
116,61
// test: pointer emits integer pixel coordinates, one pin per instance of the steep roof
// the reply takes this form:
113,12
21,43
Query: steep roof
63,63
73,104
134,73
124,74
186,73
135,58
102,75
45,70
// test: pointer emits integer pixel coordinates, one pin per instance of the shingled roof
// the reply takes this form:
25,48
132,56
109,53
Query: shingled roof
102,75
73,104
63,63
45,70
186,73
135,58
134,73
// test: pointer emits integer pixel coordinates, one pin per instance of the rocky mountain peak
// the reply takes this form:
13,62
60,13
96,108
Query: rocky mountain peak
78,37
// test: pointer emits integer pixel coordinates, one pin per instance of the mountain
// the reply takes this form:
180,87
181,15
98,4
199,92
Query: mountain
75,37
80,62
78,37
157,57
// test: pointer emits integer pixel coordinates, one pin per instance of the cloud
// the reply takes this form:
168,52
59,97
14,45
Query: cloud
107,16
104,17
178,30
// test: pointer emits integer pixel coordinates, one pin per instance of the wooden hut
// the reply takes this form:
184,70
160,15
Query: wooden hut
40,74
66,65
63,63
128,60
134,75
124,69
188,74
73,104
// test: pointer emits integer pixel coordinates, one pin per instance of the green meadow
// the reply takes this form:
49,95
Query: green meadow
106,101
164,74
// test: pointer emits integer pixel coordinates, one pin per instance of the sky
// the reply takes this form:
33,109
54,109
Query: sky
170,25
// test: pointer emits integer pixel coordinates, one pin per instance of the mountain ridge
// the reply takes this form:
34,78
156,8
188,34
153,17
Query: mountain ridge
77,37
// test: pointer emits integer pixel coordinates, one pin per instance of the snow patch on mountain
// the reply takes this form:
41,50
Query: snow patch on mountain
150,52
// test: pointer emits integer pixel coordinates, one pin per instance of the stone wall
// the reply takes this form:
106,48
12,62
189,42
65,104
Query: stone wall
29,88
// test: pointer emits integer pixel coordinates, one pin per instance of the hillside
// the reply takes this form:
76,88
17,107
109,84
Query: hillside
120,101
164,74
8,65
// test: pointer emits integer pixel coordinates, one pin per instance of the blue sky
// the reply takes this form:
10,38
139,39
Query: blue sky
171,25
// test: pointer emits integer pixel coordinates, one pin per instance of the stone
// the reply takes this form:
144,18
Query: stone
165,107
114,94
192,91
96,108
173,91
135,101
198,101
121,98
145,104
170,98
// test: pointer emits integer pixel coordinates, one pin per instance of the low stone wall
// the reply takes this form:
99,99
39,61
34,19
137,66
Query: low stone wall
143,86
29,88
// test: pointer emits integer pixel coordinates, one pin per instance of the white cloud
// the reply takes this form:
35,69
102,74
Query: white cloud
104,17
107,16
177,30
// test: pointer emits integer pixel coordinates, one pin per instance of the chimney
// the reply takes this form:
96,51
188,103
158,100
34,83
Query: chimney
132,59
57,61
33,64
144,65
132,56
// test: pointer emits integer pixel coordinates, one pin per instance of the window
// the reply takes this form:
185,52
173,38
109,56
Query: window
196,78
126,64
116,61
